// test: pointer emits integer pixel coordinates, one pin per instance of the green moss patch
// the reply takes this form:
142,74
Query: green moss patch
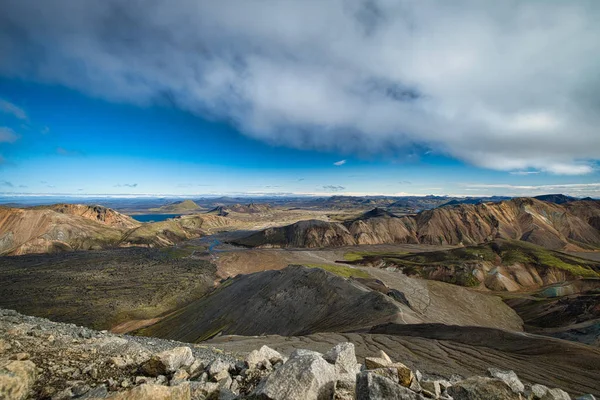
340,270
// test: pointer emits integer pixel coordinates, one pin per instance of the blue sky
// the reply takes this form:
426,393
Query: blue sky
474,99
70,143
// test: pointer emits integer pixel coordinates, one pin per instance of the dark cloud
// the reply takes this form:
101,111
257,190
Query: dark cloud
129,185
7,184
504,85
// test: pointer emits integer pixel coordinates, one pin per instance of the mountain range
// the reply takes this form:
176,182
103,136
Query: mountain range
573,226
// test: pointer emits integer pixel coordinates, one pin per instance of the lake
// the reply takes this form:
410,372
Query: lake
153,217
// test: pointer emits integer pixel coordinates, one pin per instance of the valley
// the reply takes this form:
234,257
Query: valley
475,276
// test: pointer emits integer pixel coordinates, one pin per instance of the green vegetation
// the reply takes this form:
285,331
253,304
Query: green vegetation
340,270
360,255
456,266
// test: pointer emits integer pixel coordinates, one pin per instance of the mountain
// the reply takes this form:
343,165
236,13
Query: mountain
66,227
95,213
252,208
546,224
501,265
555,198
299,300
184,206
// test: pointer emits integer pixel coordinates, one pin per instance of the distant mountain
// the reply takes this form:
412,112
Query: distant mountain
556,198
184,206
252,208
66,227
549,225
475,200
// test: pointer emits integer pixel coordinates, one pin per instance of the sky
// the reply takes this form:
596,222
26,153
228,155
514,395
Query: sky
380,97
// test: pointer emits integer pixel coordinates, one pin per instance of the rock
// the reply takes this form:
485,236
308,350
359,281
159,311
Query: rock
536,392
556,394
168,361
222,374
376,362
155,392
302,377
345,390
20,356
508,377
219,365
180,376
304,352
371,386
226,394
264,355
405,374
480,388
343,357
432,387
196,369
586,397
383,354
390,373
99,392
203,390
121,361
17,379
4,346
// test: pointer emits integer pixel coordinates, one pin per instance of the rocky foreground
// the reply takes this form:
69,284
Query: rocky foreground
47,360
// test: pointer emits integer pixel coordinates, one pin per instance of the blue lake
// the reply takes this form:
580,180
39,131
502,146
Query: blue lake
153,217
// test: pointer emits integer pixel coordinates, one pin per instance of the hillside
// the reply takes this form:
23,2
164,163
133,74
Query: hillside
546,224
299,300
185,206
78,227
501,265
252,208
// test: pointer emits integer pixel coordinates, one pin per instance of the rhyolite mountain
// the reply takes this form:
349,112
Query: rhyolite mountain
67,227
572,226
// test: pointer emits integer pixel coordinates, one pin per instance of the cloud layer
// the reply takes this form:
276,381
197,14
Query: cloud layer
510,85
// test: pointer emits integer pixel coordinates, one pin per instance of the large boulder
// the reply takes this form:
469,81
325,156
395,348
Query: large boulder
302,377
17,379
154,392
372,386
168,361
481,388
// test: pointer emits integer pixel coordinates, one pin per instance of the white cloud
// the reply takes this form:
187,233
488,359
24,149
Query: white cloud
339,163
525,172
10,108
573,189
504,85
7,135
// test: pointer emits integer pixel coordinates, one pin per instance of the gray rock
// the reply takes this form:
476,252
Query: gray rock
304,352
265,355
508,377
180,376
343,357
219,365
432,387
203,390
556,394
302,377
371,386
480,388
17,379
536,392
168,361
99,392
